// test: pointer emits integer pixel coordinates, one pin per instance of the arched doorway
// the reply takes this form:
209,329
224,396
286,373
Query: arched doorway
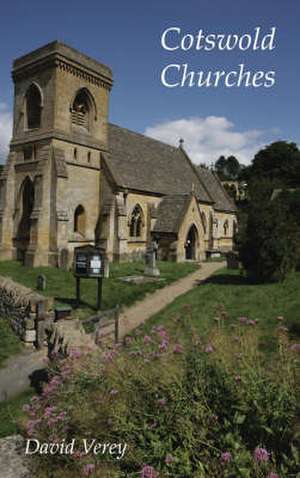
191,244
24,226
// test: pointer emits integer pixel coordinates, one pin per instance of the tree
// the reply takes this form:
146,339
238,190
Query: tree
233,167
267,242
227,168
280,162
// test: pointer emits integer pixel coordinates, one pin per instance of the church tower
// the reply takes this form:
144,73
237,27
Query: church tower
50,185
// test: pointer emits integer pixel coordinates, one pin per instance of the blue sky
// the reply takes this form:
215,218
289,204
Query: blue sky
126,36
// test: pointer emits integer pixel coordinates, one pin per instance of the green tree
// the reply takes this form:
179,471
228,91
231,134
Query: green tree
279,162
267,242
227,168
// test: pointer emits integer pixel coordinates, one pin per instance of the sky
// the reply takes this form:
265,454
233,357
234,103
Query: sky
126,35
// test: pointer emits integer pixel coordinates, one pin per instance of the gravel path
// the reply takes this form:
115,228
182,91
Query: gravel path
137,314
17,373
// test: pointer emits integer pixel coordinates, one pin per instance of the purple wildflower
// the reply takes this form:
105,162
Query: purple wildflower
88,469
148,472
261,454
169,459
113,392
251,322
209,348
147,339
162,402
128,340
226,457
178,349
295,347
273,475
164,345
243,320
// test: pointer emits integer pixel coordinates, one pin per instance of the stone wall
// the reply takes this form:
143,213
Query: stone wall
25,309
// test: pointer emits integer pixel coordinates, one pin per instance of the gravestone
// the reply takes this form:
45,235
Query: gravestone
41,282
106,267
151,268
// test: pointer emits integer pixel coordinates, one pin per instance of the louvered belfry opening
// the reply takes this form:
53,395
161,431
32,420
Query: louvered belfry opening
81,111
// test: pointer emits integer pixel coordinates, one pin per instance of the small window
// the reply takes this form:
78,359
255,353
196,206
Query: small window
33,107
136,222
28,153
80,220
226,227
204,222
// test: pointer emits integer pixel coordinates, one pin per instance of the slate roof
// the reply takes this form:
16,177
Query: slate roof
212,183
141,163
170,211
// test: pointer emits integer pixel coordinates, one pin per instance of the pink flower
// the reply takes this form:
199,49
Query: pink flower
243,320
209,348
178,349
161,402
48,411
261,454
273,475
226,457
164,345
251,322
128,340
88,469
147,339
295,348
148,472
169,459
75,353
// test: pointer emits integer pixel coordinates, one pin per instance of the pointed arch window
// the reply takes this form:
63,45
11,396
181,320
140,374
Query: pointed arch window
80,220
136,222
33,107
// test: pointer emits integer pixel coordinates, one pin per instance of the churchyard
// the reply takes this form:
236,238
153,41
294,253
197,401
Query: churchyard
206,323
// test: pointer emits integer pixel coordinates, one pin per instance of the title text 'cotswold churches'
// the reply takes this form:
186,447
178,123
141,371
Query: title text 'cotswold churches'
174,75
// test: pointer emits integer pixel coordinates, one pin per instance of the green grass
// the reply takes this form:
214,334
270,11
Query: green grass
10,344
264,302
11,412
61,284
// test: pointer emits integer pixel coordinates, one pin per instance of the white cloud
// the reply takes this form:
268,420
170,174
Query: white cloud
205,139
5,131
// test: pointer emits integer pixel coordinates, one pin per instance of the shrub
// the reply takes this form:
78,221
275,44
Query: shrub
267,245
209,408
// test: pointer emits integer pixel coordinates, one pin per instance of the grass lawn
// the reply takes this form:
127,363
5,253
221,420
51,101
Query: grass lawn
264,302
61,284
11,411
10,344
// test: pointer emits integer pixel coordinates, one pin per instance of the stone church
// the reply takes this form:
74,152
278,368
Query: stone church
72,178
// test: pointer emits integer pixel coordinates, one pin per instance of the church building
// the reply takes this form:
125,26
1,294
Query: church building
72,178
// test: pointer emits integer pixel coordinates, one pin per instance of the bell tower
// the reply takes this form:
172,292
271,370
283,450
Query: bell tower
50,185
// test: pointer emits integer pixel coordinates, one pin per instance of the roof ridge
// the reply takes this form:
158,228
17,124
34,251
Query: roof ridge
137,133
